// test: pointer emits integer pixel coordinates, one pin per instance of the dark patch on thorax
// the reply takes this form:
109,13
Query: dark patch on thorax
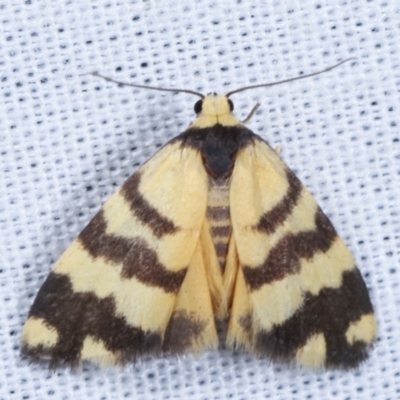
218,146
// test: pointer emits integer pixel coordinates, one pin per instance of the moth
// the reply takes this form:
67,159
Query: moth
213,226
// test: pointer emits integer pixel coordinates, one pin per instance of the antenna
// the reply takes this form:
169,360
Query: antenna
146,86
287,80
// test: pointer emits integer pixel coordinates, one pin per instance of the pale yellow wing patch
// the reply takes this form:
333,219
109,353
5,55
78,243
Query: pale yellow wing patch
240,329
364,330
191,327
212,270
313,353
95,351
38,332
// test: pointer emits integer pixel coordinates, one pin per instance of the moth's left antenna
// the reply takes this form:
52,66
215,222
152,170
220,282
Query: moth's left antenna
146,86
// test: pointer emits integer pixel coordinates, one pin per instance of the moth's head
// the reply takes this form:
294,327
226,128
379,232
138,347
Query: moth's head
214,109
213,105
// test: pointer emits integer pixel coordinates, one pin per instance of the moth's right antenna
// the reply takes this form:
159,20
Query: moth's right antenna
287,80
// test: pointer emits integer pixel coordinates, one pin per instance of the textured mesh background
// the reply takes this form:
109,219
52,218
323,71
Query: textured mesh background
69,140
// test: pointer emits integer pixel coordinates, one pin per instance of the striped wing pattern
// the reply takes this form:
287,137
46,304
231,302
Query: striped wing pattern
298,296
112,296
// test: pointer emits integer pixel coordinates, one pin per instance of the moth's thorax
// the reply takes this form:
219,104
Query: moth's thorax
215,110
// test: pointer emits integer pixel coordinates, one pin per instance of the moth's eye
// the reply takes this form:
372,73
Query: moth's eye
198,106
230,104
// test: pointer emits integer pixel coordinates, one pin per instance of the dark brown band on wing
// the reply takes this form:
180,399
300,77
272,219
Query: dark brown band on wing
218,213
246,322
77,315
138,259
284,258
142,263
100,244
270,220
159,224
182,332
330,312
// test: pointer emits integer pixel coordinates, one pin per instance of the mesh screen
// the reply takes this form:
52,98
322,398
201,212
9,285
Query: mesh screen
68,140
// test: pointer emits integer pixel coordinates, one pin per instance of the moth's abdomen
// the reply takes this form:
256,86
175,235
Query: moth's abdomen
218,215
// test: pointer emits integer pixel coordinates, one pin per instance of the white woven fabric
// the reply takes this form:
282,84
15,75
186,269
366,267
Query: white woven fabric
68,140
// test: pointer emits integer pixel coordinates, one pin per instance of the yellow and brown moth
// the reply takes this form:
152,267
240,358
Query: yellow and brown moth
213,226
